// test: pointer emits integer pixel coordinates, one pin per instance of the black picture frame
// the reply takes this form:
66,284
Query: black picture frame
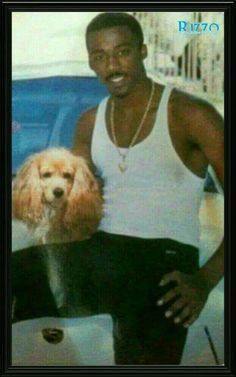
7,8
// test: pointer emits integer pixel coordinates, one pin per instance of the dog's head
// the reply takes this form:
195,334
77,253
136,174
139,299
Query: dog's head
56,170
52,178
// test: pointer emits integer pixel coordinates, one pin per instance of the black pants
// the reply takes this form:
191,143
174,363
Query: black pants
111,274
131,270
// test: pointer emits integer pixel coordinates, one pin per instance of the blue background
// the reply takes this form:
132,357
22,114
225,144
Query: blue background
45,112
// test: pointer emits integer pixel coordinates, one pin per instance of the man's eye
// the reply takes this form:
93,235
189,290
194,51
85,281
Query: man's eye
98,58
67,175
47,175
124,52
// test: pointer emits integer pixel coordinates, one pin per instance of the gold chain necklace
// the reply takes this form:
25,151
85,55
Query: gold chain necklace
123,164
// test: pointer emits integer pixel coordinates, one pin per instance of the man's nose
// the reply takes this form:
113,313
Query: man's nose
113,63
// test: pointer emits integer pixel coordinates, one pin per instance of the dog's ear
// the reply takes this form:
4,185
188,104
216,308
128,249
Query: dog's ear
27,193
84,179
84,204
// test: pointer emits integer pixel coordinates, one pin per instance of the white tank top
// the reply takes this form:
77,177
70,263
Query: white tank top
157,196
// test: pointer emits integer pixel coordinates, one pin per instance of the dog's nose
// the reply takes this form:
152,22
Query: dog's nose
58,192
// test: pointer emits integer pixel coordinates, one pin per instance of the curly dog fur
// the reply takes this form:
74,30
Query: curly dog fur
57,196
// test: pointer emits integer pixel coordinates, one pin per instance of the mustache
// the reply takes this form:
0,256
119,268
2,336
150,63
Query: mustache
115,75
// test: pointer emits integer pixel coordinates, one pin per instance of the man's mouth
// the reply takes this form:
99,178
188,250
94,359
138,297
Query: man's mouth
116,78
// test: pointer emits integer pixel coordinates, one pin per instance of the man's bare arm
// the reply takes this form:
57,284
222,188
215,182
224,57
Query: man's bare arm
205,130
208,131
83,135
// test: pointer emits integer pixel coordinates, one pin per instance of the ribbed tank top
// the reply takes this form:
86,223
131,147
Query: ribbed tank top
157,196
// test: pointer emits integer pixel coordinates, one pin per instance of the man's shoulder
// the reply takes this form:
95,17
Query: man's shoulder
193,115
189,106
88,116
84,127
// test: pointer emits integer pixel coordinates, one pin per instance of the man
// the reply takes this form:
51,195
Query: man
151,145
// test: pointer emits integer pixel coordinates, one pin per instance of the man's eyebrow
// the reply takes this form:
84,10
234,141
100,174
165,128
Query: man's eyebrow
126,44
96,51
99,51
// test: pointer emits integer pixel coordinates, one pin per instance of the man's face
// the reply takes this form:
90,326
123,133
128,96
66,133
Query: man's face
117,59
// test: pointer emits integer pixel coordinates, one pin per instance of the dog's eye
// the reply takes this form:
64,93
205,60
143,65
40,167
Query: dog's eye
47,175
67,175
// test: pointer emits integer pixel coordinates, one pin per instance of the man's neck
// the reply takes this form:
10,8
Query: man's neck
137,95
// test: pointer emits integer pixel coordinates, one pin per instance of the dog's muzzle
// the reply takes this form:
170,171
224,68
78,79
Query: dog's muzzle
58,192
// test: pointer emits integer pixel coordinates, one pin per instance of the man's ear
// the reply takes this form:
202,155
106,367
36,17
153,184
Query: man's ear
90,65
144,52
89,62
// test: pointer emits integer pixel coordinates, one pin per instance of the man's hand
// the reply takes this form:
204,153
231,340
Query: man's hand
190,295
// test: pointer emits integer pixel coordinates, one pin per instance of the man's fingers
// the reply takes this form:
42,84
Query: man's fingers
178,304
183,315
167,278
190,320
168,296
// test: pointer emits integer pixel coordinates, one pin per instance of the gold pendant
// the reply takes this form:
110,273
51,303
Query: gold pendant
122,166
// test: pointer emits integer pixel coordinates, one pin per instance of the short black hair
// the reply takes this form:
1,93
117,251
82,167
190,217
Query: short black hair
110,19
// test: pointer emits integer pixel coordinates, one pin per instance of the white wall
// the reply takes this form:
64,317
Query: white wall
49,42
46,37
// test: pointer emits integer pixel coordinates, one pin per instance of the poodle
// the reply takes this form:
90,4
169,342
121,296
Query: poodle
57,196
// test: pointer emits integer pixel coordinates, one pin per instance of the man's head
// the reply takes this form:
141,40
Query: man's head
110,20
116,51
